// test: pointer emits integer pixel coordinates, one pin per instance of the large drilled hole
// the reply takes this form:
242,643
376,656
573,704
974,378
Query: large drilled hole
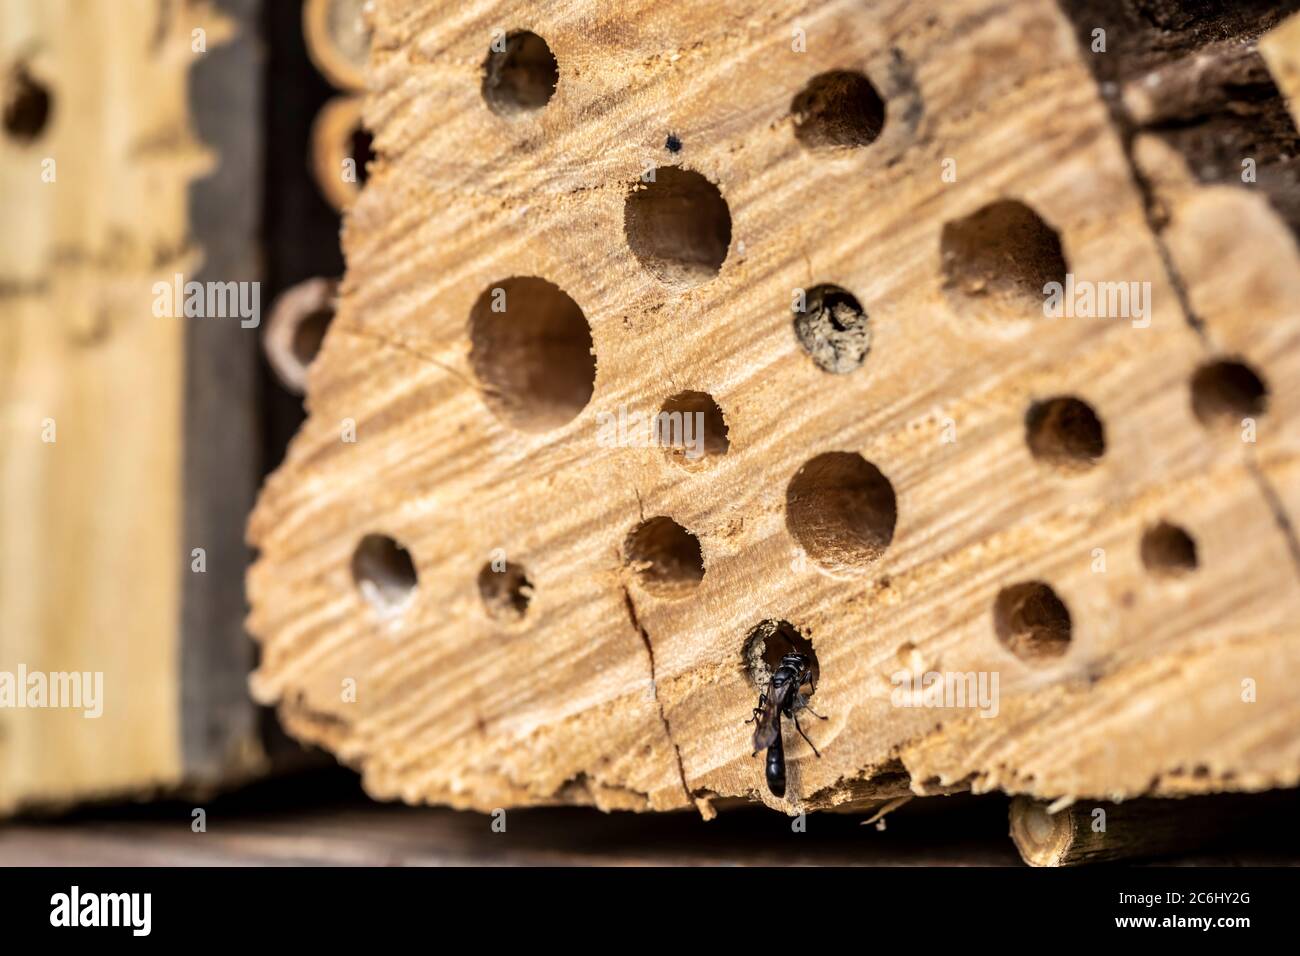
832,328
665,556
693,430
997,260
1031,621
384,573
1065,433
505,590
1224,392
520,76
531,349
767,643
27,105
839,109
1168,551
842,511
678,226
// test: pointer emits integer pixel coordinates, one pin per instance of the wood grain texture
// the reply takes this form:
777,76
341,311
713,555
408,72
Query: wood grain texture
609,692
96,527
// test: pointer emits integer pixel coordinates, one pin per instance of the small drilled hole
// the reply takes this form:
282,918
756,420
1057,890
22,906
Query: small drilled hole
1168,550
767,643
1226,391
521,76
665,556
693,430
505,592
1065,433
842,511
531,350
27,105
678,227
832,328
384,573
1032,622
839,109
997,260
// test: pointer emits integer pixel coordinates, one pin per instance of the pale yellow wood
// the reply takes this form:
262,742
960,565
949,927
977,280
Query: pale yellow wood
90,545
611,692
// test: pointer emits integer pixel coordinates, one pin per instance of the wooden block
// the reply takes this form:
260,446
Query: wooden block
475,588
129,438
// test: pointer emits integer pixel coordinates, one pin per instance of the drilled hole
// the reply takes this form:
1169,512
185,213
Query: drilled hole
1065,433
678,226
665,556
842,511
832,328
1168,551
27,105
1224,392
531,349
521,76
839,109
1032,622
997,260
767,643
384,573
506,592
692,428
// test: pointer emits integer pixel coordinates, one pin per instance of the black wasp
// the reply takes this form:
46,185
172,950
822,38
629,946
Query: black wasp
782,696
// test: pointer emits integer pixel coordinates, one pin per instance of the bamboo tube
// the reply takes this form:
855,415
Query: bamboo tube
337,138
338,40
1098,832
297,327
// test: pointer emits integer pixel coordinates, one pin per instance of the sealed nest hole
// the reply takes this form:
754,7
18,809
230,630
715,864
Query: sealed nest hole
767,643
833,329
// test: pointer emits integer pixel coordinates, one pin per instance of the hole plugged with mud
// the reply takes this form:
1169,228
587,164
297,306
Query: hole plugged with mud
1032,622
665,557
531,349
832,327
1226,391
384,574
693,430
519,74
767,643
678,226
27,106
842,511
1168,551
505,590
838,110
997,260
1066,433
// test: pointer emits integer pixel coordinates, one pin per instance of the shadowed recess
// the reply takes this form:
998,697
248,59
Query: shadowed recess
678,226
996,261
838,110
520,76
1065,433
384,574
1226,391
665,557
1168,551
1032,622
842,511
506,593
530,347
